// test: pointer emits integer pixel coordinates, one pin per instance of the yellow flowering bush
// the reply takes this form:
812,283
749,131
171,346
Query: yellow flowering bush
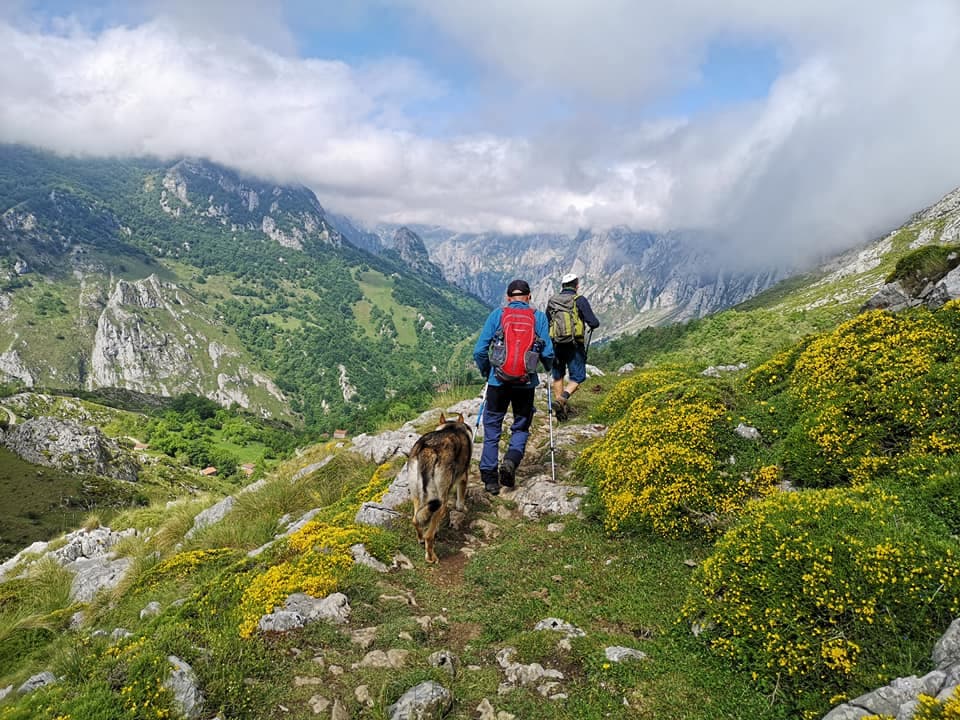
664,465
817,591
869,391
317,557
616,402
319,560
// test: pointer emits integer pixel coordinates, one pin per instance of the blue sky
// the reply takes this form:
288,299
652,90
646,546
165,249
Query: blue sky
788,128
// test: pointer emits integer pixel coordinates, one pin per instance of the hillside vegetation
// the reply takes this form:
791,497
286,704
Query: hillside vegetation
238,290
823,536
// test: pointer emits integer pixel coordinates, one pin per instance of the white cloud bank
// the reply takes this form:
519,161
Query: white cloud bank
857,132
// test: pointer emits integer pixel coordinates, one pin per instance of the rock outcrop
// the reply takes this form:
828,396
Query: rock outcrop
70,446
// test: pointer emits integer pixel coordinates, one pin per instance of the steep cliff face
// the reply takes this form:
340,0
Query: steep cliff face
411,250
633,279
152,337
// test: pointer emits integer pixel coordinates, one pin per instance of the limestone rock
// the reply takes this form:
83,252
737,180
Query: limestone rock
96,574
427,700
560,626
377,515
362,557
382,447
538,497
445,660
36,682
182,682
70,446
617,654
947,650
211,516
152,609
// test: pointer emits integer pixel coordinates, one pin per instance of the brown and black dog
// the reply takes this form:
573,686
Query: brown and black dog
439,460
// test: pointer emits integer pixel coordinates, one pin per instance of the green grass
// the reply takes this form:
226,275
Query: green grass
41,503
377,288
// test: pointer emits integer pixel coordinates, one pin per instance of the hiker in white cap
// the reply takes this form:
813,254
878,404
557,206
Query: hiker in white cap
569,314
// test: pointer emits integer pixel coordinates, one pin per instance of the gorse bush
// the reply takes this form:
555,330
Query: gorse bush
316,558
809,588
665,465
616,402
879,386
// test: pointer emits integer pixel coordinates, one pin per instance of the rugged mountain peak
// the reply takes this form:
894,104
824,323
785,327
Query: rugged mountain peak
289,215
412,251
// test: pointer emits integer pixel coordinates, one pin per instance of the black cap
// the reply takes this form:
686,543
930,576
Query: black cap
518,287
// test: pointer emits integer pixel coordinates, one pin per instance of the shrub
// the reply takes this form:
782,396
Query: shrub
871,390
616,402
665,465
820,591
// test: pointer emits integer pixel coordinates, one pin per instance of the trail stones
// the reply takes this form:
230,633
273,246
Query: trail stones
445,660
301,609
540,497
362,557
620,654
427,700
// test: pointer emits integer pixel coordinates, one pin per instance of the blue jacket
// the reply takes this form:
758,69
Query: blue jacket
481,351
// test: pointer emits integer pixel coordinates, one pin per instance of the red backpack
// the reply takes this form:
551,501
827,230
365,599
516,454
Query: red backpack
510,352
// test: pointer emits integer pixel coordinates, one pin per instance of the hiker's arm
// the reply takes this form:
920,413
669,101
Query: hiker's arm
543,332
586,312
481,351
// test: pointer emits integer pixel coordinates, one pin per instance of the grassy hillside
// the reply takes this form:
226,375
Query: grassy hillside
767,576
344,334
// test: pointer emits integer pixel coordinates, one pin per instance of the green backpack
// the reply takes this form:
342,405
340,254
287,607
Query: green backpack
566,325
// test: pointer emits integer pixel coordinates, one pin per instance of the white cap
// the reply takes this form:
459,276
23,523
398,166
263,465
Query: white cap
568,278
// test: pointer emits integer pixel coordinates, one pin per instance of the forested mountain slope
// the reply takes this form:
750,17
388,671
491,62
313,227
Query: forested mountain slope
181,276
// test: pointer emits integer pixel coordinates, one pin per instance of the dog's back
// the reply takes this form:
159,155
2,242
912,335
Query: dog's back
439,460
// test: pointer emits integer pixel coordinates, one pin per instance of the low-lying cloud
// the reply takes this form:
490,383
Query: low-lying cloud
856,133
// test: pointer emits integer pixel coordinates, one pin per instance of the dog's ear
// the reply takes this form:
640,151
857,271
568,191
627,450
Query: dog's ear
460,418
443,418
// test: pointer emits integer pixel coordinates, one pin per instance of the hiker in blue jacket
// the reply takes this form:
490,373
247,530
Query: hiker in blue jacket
501,395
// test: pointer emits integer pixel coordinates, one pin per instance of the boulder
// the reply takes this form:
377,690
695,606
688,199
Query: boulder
182,682
427,700
68,445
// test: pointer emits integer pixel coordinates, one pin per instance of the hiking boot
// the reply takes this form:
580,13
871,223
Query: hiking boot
490,482
560,409
508,472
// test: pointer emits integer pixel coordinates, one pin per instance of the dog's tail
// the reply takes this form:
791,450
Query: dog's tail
427,489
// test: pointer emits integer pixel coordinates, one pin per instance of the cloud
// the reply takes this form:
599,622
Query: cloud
855,133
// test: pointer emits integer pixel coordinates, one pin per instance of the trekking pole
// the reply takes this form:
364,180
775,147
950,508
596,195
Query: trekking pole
483,402
586,349
553,461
